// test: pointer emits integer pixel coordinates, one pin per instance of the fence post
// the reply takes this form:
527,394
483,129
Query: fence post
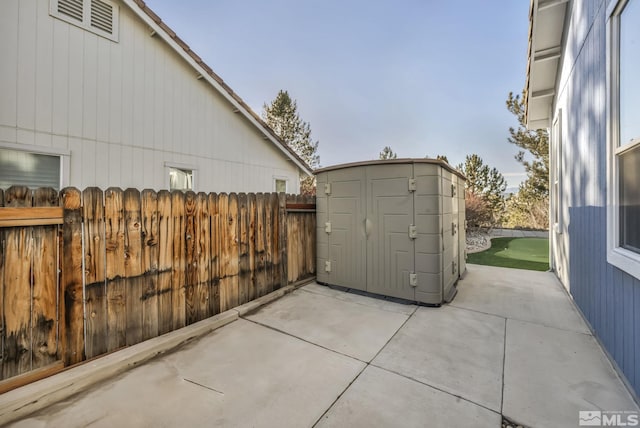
282,229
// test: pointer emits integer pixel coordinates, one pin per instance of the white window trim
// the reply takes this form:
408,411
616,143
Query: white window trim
283,178
86,19
183,166
617,256
557,173
65,157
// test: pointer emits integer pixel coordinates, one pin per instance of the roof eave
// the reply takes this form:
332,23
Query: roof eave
544,57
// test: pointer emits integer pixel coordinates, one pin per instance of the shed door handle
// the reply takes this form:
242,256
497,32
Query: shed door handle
367,227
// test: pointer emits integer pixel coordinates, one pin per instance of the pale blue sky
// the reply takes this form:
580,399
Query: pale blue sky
425,77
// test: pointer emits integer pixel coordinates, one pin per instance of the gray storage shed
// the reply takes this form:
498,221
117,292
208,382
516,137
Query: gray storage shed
392,227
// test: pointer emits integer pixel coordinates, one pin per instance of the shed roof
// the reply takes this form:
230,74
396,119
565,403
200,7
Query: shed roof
439,162
205,72
546,29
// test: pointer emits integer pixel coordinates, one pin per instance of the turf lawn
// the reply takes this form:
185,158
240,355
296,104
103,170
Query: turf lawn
519,253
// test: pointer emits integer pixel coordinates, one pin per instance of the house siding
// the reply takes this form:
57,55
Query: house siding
608,297
123,109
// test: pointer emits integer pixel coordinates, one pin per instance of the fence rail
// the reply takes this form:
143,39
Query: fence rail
134,265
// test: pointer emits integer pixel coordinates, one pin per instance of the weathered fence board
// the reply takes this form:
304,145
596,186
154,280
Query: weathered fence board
229,262
244,279
135,265
2,263
179,256
165,262
260,263
191,255
72,256
94,272
214,256
150,262
115,268
44,314
17,290
203,257
251,248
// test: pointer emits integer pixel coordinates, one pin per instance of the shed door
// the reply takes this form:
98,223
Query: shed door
390,250
346,213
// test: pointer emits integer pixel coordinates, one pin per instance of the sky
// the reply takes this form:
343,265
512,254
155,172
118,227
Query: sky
425,77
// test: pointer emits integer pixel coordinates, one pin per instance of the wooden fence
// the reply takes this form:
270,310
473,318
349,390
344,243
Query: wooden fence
91,272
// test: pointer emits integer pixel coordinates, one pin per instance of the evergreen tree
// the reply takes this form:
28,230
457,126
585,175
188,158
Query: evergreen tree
486,184
536,143
529,207
282,116
387,153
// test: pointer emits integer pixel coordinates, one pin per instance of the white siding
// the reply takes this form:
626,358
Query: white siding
123,109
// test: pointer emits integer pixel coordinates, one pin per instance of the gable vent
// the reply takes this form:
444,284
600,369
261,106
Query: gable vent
102,16
71,8
97,16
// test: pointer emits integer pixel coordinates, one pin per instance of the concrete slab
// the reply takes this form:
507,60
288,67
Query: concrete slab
387,304
551,374
379,398
354,329
240,375
518,294
455,350
37,395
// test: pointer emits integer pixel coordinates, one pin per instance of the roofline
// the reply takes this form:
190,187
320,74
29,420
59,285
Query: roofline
439,162
529,50
205,72
535,6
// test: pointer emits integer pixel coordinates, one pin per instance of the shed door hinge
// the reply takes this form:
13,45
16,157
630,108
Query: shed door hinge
413,231
413,279
453,267
327,266
327,227
412,185
453,190
453,228
327,188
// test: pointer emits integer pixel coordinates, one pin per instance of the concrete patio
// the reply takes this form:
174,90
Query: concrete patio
510,344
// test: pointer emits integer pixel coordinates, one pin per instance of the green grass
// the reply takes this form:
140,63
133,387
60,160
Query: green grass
518,253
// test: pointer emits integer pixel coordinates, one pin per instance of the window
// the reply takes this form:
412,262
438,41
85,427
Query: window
623,240
281,185
180,179
556,135
98,16
29,169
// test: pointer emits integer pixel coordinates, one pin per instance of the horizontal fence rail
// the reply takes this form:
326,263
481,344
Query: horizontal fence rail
133,265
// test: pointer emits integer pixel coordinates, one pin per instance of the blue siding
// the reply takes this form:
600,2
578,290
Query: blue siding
608,297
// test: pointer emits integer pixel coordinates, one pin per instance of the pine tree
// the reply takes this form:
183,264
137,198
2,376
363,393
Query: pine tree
529,207
442,158
282,116
388,153
487,184
536,143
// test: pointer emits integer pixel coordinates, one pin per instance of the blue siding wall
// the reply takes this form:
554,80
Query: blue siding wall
608,297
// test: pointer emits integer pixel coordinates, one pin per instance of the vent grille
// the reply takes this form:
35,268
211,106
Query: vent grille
102,16
71,8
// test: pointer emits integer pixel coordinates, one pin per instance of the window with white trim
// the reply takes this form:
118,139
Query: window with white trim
98,16
624,135
556,134
180,179
280,185
23,168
